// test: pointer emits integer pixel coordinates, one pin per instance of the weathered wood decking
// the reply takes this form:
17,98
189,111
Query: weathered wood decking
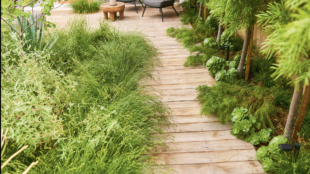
201,144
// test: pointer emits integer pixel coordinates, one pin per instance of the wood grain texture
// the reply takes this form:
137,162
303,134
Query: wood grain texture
196,144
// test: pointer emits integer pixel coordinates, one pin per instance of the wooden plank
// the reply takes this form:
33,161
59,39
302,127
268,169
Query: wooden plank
205,146
180,81
237,167
204,74
201,136
186,111
182,86
207,157
175,92
194,118
188,97
182,71
196,127
187,104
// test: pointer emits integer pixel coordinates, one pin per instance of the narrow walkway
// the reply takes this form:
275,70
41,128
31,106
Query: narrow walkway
201,144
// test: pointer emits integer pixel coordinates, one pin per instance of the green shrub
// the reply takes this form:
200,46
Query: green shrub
244,126
210,42
31,96
277,162
100,120
212,23
83,6
222,98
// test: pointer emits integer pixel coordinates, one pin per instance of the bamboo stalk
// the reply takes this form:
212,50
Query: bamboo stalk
248,61
31,165
4,137
204,13
291,119
11,157
244,51
302,112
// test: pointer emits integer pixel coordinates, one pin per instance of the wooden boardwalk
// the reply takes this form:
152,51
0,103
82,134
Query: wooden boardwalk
201,144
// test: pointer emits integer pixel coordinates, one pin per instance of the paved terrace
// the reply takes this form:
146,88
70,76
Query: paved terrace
201,144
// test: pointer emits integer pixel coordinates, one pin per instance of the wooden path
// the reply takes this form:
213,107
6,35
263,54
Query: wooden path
201,144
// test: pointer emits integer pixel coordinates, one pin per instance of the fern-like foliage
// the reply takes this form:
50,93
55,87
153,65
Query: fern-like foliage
222,98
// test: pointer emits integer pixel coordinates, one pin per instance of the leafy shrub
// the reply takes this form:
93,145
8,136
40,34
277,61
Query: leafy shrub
268,164
262,153
221,99
232,73
210,42
244,125
31,100
214,65
237,58
275,161
233,64
202,57
32,39
98,118
83,6
274,144
212,23
221,75
170,31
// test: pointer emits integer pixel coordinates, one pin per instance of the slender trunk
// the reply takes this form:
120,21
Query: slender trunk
200,9
291,119
219,33
248,61
302,112
244,51
204,13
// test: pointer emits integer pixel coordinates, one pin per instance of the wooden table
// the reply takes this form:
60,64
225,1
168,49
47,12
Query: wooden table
107,8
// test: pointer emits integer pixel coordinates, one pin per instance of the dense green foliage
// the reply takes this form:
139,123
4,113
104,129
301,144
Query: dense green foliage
201,40
33,35
83,6
245,126
277,162
289,22
81,108
264,97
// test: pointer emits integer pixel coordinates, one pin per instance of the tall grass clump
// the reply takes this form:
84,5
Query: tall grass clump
101,119
83,6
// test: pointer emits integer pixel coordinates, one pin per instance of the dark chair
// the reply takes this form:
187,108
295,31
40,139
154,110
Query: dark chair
159,4
129,1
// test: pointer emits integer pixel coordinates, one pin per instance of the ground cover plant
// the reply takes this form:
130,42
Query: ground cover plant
80,107
84,6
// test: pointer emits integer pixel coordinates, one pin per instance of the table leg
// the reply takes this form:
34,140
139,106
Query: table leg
121,14
105,14
112,16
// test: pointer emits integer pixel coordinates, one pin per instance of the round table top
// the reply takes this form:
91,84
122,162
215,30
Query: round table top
106,7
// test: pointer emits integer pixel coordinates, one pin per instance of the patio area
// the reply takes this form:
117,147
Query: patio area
201,144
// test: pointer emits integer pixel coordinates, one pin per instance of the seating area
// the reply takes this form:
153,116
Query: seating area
159,4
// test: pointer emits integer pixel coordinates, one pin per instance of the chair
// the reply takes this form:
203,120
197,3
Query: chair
159,4
128,1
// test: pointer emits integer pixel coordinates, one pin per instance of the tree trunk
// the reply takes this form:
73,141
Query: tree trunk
248,61
200,9
204,13
219,32
291,119
302,112
244,51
